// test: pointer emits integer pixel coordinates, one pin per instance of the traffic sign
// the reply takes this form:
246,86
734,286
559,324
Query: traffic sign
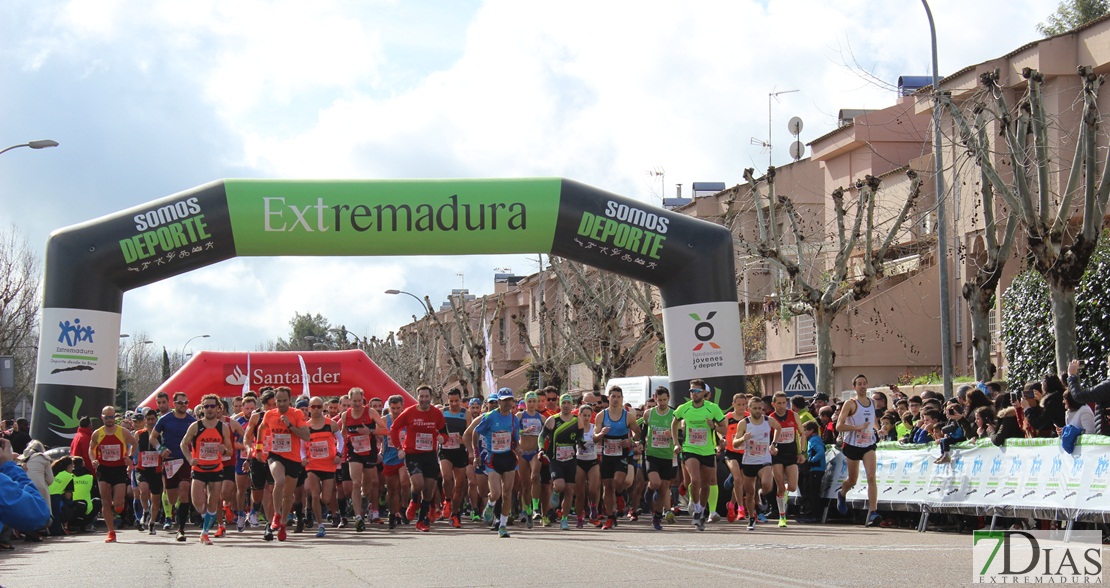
799,378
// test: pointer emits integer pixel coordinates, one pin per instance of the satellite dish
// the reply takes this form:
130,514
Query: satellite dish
797,150
795,126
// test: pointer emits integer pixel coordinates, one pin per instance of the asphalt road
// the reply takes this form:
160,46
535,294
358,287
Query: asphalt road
631,555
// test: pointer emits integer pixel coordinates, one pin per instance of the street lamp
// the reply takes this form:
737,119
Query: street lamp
186,345
427,313
127,368
414,296
41,144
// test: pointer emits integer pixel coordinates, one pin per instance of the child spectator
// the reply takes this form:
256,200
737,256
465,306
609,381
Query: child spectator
811,483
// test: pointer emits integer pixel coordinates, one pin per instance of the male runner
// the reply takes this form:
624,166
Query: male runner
758,436
262,481
393,466
659,455
111,447
453,456
228,488
206,442
501,432
167,435
619,426
733,457
857,421
242,463
362,426
562,433
698,454
423,425
321,456
287,428
149,464
784,464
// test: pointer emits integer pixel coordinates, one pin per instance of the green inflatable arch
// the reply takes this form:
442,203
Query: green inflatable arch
89,266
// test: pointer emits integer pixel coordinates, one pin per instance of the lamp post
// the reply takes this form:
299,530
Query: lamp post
127,368
427,312
186,345
40,144
942,223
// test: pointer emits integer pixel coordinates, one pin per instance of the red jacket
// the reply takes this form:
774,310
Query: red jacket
79,447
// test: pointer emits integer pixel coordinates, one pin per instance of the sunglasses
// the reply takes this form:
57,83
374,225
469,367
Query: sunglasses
181,402
552,398
209,406
107,416
316,406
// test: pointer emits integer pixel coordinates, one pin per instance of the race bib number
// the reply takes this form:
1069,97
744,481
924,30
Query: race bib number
244,453
452,441
697,437
281,443
531,428
172,466
588,452
501,441
865,437
786,435
613,447
148,459
423,441
661,438
318,450
360,443
757,449
109,453
564,453
210,451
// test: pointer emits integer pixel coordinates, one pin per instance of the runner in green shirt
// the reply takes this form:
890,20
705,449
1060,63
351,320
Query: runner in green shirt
698,453
659,462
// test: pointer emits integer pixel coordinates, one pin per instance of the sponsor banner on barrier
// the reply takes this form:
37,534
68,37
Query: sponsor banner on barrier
1024,473
78,347
703,340
426,217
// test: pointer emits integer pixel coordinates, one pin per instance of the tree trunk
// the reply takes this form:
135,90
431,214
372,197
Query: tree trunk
822,322
979,307
1063,323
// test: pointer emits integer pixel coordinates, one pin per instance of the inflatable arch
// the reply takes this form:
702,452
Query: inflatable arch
328,373
89,266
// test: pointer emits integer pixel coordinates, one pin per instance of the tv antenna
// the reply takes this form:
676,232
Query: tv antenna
797,148
773,95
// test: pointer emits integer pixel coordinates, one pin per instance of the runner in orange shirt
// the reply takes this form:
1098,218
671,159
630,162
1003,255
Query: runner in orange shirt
321,455
286,427
205,444
110,448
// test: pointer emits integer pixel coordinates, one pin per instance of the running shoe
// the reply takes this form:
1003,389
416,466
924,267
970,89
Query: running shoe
487,514
111,537
887,523
669,517
410,512
360,524
446,509
221,531
632,516
714,517
620,503
204,539
422,526
282,535
841,503
751,524
761,518
694,519
782,522
252,519
321,532
240,523
564,525
581,523
545,521
167,525
299,526
152,529
392,521
475,517
873,519
267,535
342,522
502,532
608,523
528,523
741,513
140,525
700,523
657,522
731,512
181,536
229,515
455,522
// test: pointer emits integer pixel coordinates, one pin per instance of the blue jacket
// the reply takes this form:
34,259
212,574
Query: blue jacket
815,454
21,505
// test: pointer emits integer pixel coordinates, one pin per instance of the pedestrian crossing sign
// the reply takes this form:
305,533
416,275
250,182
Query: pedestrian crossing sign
799,378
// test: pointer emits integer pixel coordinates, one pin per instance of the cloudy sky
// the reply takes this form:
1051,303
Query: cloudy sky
151,97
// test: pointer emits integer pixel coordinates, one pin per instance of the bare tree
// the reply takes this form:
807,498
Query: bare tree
1060,250
468,357
608,319
20,274
812,286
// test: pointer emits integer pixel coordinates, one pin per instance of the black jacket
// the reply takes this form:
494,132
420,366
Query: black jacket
1007,427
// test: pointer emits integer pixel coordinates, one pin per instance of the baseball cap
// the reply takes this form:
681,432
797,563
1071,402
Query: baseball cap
821,396
505,394
475,400
302,403
530,396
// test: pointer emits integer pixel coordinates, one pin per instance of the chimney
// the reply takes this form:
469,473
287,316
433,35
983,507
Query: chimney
678,190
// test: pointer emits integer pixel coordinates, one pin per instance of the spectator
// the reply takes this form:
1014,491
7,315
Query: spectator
825,418
995,389
976,399
961,393
1100,394
1079,415
815,473
1002,401
84,505
21,506
957,412
984,422
906,428
20,436
61,495
1007,427
801,409
930,420
879,401
1042,419
820,400
896,393
79,447
915,408
37,466
952,431
888,427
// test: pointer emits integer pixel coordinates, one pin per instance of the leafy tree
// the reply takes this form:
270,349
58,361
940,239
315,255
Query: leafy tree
1072,14
20,274
308,332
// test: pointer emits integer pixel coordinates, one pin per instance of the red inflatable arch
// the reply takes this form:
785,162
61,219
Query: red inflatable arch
330,373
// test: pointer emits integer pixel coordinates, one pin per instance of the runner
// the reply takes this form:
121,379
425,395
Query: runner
393,466
733,457
423,424
477,480
659,455
150,472
362,426
542,489
453,457
791,453
262,481
501,431
228,488
698,454
588,471
531,423
561,436
206,442
616,428
242,463
167,435
287,428
758,437
857,422
111,447
321,457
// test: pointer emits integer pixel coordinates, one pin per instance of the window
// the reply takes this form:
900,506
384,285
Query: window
806,339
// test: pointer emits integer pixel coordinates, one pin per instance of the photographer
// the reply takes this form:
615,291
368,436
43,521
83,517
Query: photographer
21,506
1100,393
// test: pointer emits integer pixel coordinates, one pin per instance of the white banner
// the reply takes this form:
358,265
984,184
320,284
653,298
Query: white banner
1023,474
78,347
703,340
